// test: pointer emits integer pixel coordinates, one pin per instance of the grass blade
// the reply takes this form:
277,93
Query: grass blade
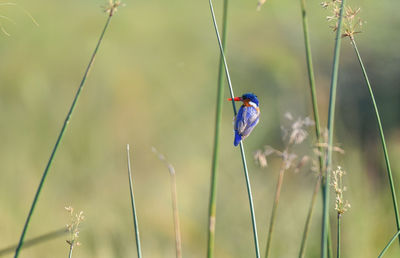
309,216
135,221
37,240
331,116
338,236
381,134
214,168
62,131
389,244
174,197
246,173
311,77
274,208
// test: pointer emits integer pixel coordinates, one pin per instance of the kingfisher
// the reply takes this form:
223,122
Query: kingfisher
247,117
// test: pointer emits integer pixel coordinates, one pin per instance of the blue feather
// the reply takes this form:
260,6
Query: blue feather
246,119
238,138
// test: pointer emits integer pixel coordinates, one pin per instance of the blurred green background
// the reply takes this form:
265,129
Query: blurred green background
154,84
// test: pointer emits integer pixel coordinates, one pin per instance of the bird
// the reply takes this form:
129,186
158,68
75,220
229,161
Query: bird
247,117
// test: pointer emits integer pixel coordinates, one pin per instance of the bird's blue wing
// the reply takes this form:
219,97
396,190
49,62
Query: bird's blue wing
246,119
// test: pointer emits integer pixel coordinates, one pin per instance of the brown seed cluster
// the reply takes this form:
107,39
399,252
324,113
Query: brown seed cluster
73,226
341,205
351,22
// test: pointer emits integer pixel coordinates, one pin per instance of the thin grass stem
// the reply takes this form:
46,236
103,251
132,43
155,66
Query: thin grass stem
135,220
246,173
60,136
71,248
389,244
37,240
311,77
331,116
382,136
174,197
215,159
275,208
309,216
178,239
338,235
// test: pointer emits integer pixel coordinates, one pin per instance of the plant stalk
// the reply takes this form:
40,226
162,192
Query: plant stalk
311,77
338,235
71,247
309,216
382,136
135,220
37,240
178,239
215,159
331,116
389,244
66,122
274,208
246,173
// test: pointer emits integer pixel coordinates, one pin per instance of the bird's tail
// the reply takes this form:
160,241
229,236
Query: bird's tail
238,138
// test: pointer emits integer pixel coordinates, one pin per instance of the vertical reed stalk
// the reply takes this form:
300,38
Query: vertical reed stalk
66,122
71,247
338,235
215,159
389,244
135,221
274,208
331,116
311,77
37,240
246,173
174,197
309,216
381,134
178,239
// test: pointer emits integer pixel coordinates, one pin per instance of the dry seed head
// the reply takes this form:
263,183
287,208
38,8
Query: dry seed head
260,158
260,3
341,205
74,226
351,23
112,7
296,134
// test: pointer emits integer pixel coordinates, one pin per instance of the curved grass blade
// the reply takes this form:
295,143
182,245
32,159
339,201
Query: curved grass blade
62,131
331,116
135,220
215,159
381,134
246,173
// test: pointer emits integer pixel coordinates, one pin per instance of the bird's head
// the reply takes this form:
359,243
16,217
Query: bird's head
247,98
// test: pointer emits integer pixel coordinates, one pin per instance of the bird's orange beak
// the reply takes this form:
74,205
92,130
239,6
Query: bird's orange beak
236,99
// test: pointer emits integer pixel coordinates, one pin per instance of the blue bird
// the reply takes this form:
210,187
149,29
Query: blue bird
247,117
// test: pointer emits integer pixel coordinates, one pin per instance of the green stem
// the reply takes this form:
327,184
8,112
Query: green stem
66,122
135,221
214,168
338,236
178,238
331,116
246,173
71,247
36,240
311,77
274,208
309,216
381,134
389,244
